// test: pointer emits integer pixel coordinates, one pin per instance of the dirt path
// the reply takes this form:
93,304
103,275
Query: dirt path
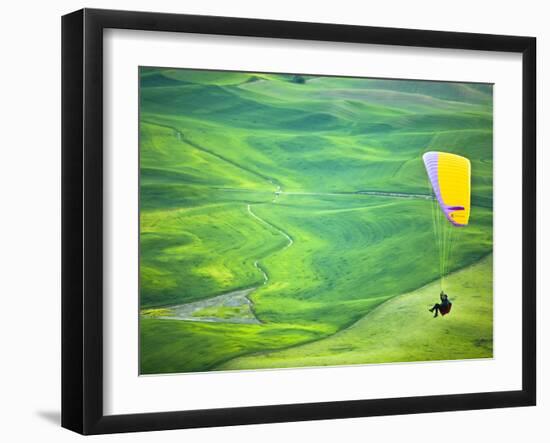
278,192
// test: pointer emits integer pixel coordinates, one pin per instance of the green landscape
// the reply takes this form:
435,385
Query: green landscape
286,221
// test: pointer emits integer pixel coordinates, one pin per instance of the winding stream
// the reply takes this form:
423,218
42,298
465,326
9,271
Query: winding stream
234,306
234,299
280,231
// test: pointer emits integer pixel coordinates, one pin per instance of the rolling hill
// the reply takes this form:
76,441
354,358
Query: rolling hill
308,190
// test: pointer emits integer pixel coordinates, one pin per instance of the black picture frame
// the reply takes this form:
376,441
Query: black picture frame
82,220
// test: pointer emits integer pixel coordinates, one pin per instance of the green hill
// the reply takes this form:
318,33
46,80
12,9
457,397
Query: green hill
312,185
402,330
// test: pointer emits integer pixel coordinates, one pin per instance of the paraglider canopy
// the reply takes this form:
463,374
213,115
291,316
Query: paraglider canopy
449,181
449,176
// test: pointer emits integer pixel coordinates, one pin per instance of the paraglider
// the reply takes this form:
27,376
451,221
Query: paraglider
442,308
449,176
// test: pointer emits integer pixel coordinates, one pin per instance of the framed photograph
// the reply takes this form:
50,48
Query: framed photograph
269,221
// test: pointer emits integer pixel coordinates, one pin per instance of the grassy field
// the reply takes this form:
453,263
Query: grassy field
284,184
400,330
